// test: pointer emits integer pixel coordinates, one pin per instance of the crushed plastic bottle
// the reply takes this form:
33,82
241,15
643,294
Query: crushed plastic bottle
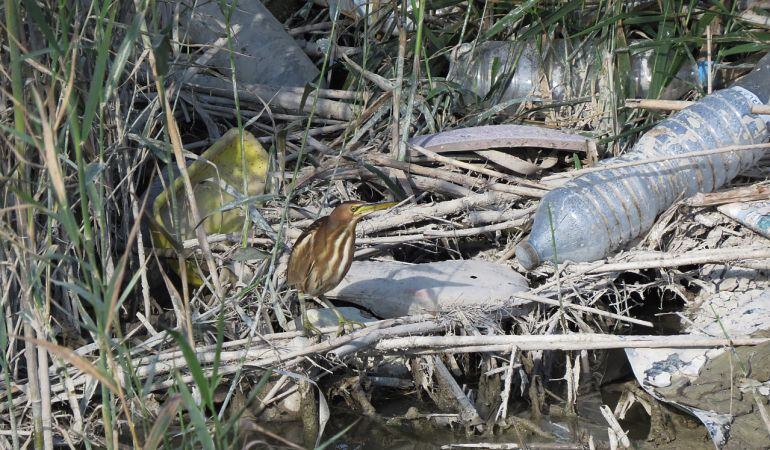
596,213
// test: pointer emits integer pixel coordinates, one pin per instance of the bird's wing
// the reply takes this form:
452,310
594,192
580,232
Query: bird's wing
301,260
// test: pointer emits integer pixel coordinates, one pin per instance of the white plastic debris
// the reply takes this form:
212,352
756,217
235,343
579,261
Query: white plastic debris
661,371
755,215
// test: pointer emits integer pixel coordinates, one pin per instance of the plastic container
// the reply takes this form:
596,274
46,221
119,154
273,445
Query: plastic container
596,213
263,52
477,68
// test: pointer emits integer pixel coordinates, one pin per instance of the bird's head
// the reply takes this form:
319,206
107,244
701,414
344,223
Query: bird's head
353,211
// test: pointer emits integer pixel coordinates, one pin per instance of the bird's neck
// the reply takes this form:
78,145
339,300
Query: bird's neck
352,226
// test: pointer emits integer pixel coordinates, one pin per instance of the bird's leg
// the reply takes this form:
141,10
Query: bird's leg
341,320
308,328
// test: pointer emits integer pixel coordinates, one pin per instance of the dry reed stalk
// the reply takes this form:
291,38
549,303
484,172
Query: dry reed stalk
455,177
586,309
668,260
536,189
562,342
678,105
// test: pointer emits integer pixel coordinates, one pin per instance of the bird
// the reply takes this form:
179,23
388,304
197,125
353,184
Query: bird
322,254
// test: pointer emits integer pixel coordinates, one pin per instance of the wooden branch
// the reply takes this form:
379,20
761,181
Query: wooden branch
466,410
480,217
419,213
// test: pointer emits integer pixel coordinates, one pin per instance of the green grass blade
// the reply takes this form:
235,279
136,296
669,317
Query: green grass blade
509,19
195,369
197,418
334,438
164,419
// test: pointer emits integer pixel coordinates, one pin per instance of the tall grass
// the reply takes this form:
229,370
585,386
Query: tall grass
91,114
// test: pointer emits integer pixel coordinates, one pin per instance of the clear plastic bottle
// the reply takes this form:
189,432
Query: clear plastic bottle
560,69
596,213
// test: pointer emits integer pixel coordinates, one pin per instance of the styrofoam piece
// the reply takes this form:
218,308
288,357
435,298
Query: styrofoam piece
393,289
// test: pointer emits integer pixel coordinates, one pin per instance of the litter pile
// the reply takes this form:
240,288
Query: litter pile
559,250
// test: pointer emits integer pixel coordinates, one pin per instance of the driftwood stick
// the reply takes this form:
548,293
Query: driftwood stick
476,230
468,413
422,183
497,348
513,446
372,338
741,194
480,217
615,426
437,234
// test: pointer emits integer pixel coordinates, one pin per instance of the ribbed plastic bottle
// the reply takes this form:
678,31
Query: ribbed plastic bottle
595,214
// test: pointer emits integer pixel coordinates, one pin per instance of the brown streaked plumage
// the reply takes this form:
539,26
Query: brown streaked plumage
322,254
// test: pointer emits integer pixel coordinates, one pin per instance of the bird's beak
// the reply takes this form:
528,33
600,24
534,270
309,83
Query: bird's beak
372,207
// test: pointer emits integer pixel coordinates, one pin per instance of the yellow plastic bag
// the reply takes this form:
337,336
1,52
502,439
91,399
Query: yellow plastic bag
218,170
